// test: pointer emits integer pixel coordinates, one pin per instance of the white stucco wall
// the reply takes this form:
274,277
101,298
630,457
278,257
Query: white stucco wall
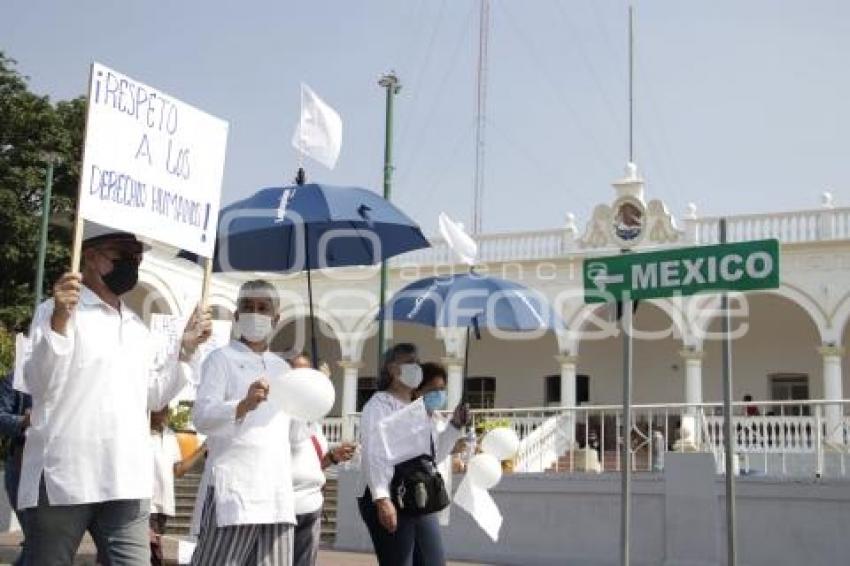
553,519
783,337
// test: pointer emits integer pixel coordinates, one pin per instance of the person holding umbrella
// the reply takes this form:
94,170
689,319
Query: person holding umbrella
308,227
399,538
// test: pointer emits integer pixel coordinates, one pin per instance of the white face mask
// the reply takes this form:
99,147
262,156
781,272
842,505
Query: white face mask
254,327
410,375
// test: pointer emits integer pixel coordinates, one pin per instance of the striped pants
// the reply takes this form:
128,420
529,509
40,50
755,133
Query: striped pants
241,545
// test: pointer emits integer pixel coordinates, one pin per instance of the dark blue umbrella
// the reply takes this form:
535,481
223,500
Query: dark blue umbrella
304,227
472,301
311,226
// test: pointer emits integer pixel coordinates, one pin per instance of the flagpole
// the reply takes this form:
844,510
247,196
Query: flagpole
301,131
392,85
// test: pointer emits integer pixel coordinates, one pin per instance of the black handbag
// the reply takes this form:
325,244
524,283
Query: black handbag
417,488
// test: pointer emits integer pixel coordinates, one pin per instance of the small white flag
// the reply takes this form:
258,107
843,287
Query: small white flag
478,502
458,240
319,131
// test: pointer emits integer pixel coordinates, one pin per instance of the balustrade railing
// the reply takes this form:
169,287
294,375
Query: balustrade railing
497,247
789,227
785,438
332,428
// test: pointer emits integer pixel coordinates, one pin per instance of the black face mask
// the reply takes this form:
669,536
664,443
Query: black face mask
123,277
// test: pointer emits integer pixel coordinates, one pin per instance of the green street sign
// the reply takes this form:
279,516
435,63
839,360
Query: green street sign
742,266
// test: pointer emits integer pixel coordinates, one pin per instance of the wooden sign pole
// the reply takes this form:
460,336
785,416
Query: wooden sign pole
205,286
79,223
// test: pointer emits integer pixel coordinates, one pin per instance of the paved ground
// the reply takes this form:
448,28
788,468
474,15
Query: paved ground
9,550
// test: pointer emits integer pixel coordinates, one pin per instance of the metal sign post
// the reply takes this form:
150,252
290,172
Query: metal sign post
727,419
626,278
625,449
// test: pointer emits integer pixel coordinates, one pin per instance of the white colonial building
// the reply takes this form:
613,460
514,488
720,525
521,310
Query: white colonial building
562,393
789,343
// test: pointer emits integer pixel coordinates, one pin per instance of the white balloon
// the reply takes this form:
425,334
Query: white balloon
501,442
484,470
302,393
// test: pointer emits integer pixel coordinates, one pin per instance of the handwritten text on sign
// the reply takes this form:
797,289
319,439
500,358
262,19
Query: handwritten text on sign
153,165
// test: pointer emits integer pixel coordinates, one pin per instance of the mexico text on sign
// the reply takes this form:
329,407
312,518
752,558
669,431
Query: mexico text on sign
742,266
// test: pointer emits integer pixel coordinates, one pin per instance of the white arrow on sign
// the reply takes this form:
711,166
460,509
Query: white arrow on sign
598,273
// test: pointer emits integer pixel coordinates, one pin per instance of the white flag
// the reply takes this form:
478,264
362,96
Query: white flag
319,132
478,502
458,240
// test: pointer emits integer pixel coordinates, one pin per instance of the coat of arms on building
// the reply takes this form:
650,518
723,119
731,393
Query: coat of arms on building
628,221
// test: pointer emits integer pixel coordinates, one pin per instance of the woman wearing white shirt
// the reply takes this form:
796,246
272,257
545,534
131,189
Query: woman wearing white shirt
399,539
245,510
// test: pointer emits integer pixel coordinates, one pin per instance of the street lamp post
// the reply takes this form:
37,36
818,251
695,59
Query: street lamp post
51,159
391,83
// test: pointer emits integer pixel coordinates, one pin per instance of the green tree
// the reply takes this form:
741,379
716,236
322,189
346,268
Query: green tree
31,129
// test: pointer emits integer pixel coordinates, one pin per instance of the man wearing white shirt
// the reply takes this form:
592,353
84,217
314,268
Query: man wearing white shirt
87,460
245,511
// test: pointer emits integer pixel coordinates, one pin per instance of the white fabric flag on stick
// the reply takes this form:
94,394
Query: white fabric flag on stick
478,502
458,240
319,131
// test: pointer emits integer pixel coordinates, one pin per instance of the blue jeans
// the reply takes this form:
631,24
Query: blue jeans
11,479
119,528
416,542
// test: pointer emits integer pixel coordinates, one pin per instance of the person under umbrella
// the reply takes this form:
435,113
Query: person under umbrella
311,226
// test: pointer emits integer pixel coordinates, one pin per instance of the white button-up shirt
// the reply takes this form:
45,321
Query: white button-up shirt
166,453
92,389
248,461
376,472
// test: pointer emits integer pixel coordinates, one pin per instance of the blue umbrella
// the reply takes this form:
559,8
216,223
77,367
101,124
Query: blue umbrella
311,226
304,227
472,301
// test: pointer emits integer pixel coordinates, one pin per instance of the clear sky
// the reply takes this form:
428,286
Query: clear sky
742,106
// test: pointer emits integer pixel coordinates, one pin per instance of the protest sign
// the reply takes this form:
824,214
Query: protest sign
167,330
152,165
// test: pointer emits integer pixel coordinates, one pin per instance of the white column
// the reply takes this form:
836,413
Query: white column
693,377
693,391
568,391
349,395
568,379
834,414
454,387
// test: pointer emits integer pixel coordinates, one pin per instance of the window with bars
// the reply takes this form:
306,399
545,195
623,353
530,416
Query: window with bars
789,387
366,387
552,393
481,392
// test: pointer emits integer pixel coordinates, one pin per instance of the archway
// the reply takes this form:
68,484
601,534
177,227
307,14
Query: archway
657,374
774,339
147,299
